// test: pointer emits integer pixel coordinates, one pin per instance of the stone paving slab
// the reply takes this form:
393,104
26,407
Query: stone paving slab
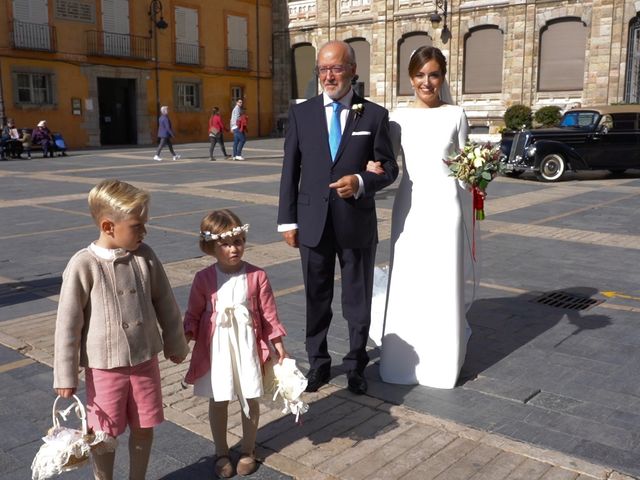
362,430
538,381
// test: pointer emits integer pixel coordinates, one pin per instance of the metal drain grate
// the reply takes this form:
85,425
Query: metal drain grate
570,301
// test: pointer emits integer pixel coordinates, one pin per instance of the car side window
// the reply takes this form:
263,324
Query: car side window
623,122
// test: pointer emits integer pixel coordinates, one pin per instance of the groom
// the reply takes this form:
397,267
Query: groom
327,206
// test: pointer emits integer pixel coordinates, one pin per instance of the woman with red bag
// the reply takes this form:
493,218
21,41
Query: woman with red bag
216,131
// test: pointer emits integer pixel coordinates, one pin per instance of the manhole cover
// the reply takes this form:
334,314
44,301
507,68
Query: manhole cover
570,301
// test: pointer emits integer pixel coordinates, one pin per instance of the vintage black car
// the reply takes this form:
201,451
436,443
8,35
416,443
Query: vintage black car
596,138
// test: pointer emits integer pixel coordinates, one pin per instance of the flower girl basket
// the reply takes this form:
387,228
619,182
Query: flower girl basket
288,382
65,448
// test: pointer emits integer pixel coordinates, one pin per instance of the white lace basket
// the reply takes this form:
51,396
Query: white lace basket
65,448
289,383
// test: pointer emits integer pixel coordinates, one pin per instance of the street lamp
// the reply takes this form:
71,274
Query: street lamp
155,9
436,18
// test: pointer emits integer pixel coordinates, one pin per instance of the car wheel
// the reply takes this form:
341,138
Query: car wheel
551,168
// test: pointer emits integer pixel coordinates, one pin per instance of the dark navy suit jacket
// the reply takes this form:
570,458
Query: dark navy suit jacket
307,171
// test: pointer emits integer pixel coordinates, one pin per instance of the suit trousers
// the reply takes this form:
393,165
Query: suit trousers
318,268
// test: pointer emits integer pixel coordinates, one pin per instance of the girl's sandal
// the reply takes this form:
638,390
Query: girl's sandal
224,467
246,465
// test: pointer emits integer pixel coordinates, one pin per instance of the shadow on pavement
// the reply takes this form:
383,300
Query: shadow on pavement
14,293
503,325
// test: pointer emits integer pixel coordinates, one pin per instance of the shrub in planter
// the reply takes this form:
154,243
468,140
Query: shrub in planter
517,116
548,116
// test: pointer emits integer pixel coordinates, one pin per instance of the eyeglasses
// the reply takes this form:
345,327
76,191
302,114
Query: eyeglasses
335,69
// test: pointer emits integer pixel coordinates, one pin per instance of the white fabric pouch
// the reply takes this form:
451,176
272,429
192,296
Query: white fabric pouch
289,383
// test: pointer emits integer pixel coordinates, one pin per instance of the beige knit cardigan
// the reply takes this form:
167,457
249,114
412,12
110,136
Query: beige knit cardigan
114,313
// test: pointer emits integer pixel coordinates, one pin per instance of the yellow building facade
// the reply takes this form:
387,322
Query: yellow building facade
98,70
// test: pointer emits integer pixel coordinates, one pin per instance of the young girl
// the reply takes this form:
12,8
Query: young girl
232,317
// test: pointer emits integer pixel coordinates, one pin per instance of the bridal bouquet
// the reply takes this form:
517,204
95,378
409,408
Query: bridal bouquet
476,165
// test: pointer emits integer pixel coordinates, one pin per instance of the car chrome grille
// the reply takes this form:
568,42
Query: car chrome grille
517,147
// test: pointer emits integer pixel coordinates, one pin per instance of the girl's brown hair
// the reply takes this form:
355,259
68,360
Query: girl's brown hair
423,55
217,222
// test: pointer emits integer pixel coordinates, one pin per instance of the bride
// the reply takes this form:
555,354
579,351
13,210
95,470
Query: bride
425,329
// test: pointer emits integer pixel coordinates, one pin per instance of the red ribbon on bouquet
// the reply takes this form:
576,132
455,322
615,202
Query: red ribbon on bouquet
478,203
478,214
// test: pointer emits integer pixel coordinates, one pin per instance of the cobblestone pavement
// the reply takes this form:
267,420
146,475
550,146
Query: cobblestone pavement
547,393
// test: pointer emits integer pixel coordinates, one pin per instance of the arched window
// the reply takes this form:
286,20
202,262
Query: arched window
632,84
304,83
406,46
483,53
562,50
363,59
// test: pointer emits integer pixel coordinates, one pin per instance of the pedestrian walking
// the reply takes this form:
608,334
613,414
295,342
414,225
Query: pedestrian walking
165,133
216,131
239,129
241,136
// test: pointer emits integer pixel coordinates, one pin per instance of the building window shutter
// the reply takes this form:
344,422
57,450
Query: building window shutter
407,46
363,60
115,24
632,85
238,54
187,46
483,52
31,11
31,24
562,54
304,79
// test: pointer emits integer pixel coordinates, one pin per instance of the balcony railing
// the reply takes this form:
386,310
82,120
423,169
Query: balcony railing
108,44
302,11
33,36
237,59
189,54
355,7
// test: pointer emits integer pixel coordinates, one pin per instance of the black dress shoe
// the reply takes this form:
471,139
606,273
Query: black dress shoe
316,378
356,383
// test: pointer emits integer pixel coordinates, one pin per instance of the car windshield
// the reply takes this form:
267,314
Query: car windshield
579,119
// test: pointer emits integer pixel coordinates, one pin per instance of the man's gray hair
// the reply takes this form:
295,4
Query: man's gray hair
351,53
164,109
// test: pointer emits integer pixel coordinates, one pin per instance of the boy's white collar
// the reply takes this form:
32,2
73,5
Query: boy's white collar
107,253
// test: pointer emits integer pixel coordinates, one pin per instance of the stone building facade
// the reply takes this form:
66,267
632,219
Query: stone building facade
500,53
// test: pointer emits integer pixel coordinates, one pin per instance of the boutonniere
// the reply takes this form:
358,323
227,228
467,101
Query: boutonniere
357,108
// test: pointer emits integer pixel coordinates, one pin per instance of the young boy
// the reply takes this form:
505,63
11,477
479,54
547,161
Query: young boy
116,313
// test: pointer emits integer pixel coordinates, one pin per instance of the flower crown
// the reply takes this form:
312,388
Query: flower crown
207,236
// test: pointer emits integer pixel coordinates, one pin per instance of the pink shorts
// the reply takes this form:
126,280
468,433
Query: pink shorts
124,396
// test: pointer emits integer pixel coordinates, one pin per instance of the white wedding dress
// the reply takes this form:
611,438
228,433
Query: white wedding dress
425,329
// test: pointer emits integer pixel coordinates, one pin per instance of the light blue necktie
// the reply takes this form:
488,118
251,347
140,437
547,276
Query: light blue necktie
335,132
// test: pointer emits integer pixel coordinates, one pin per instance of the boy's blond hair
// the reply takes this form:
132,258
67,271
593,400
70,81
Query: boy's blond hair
118,199
217,222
